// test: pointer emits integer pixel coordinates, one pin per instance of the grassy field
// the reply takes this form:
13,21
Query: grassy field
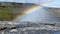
7,14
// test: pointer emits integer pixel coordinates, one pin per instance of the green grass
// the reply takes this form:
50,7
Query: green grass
6,13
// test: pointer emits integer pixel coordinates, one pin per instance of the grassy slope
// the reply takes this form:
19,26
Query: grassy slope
6,13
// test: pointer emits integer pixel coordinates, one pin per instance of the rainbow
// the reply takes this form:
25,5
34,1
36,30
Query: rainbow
28,10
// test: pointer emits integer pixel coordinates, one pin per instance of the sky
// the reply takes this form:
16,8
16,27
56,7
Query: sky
33,1
53,4
27,1
47,3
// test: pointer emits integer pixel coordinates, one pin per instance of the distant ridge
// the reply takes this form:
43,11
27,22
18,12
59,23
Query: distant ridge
8,1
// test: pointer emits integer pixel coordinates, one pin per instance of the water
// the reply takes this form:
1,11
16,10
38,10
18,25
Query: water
31,32
30,28
41,14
